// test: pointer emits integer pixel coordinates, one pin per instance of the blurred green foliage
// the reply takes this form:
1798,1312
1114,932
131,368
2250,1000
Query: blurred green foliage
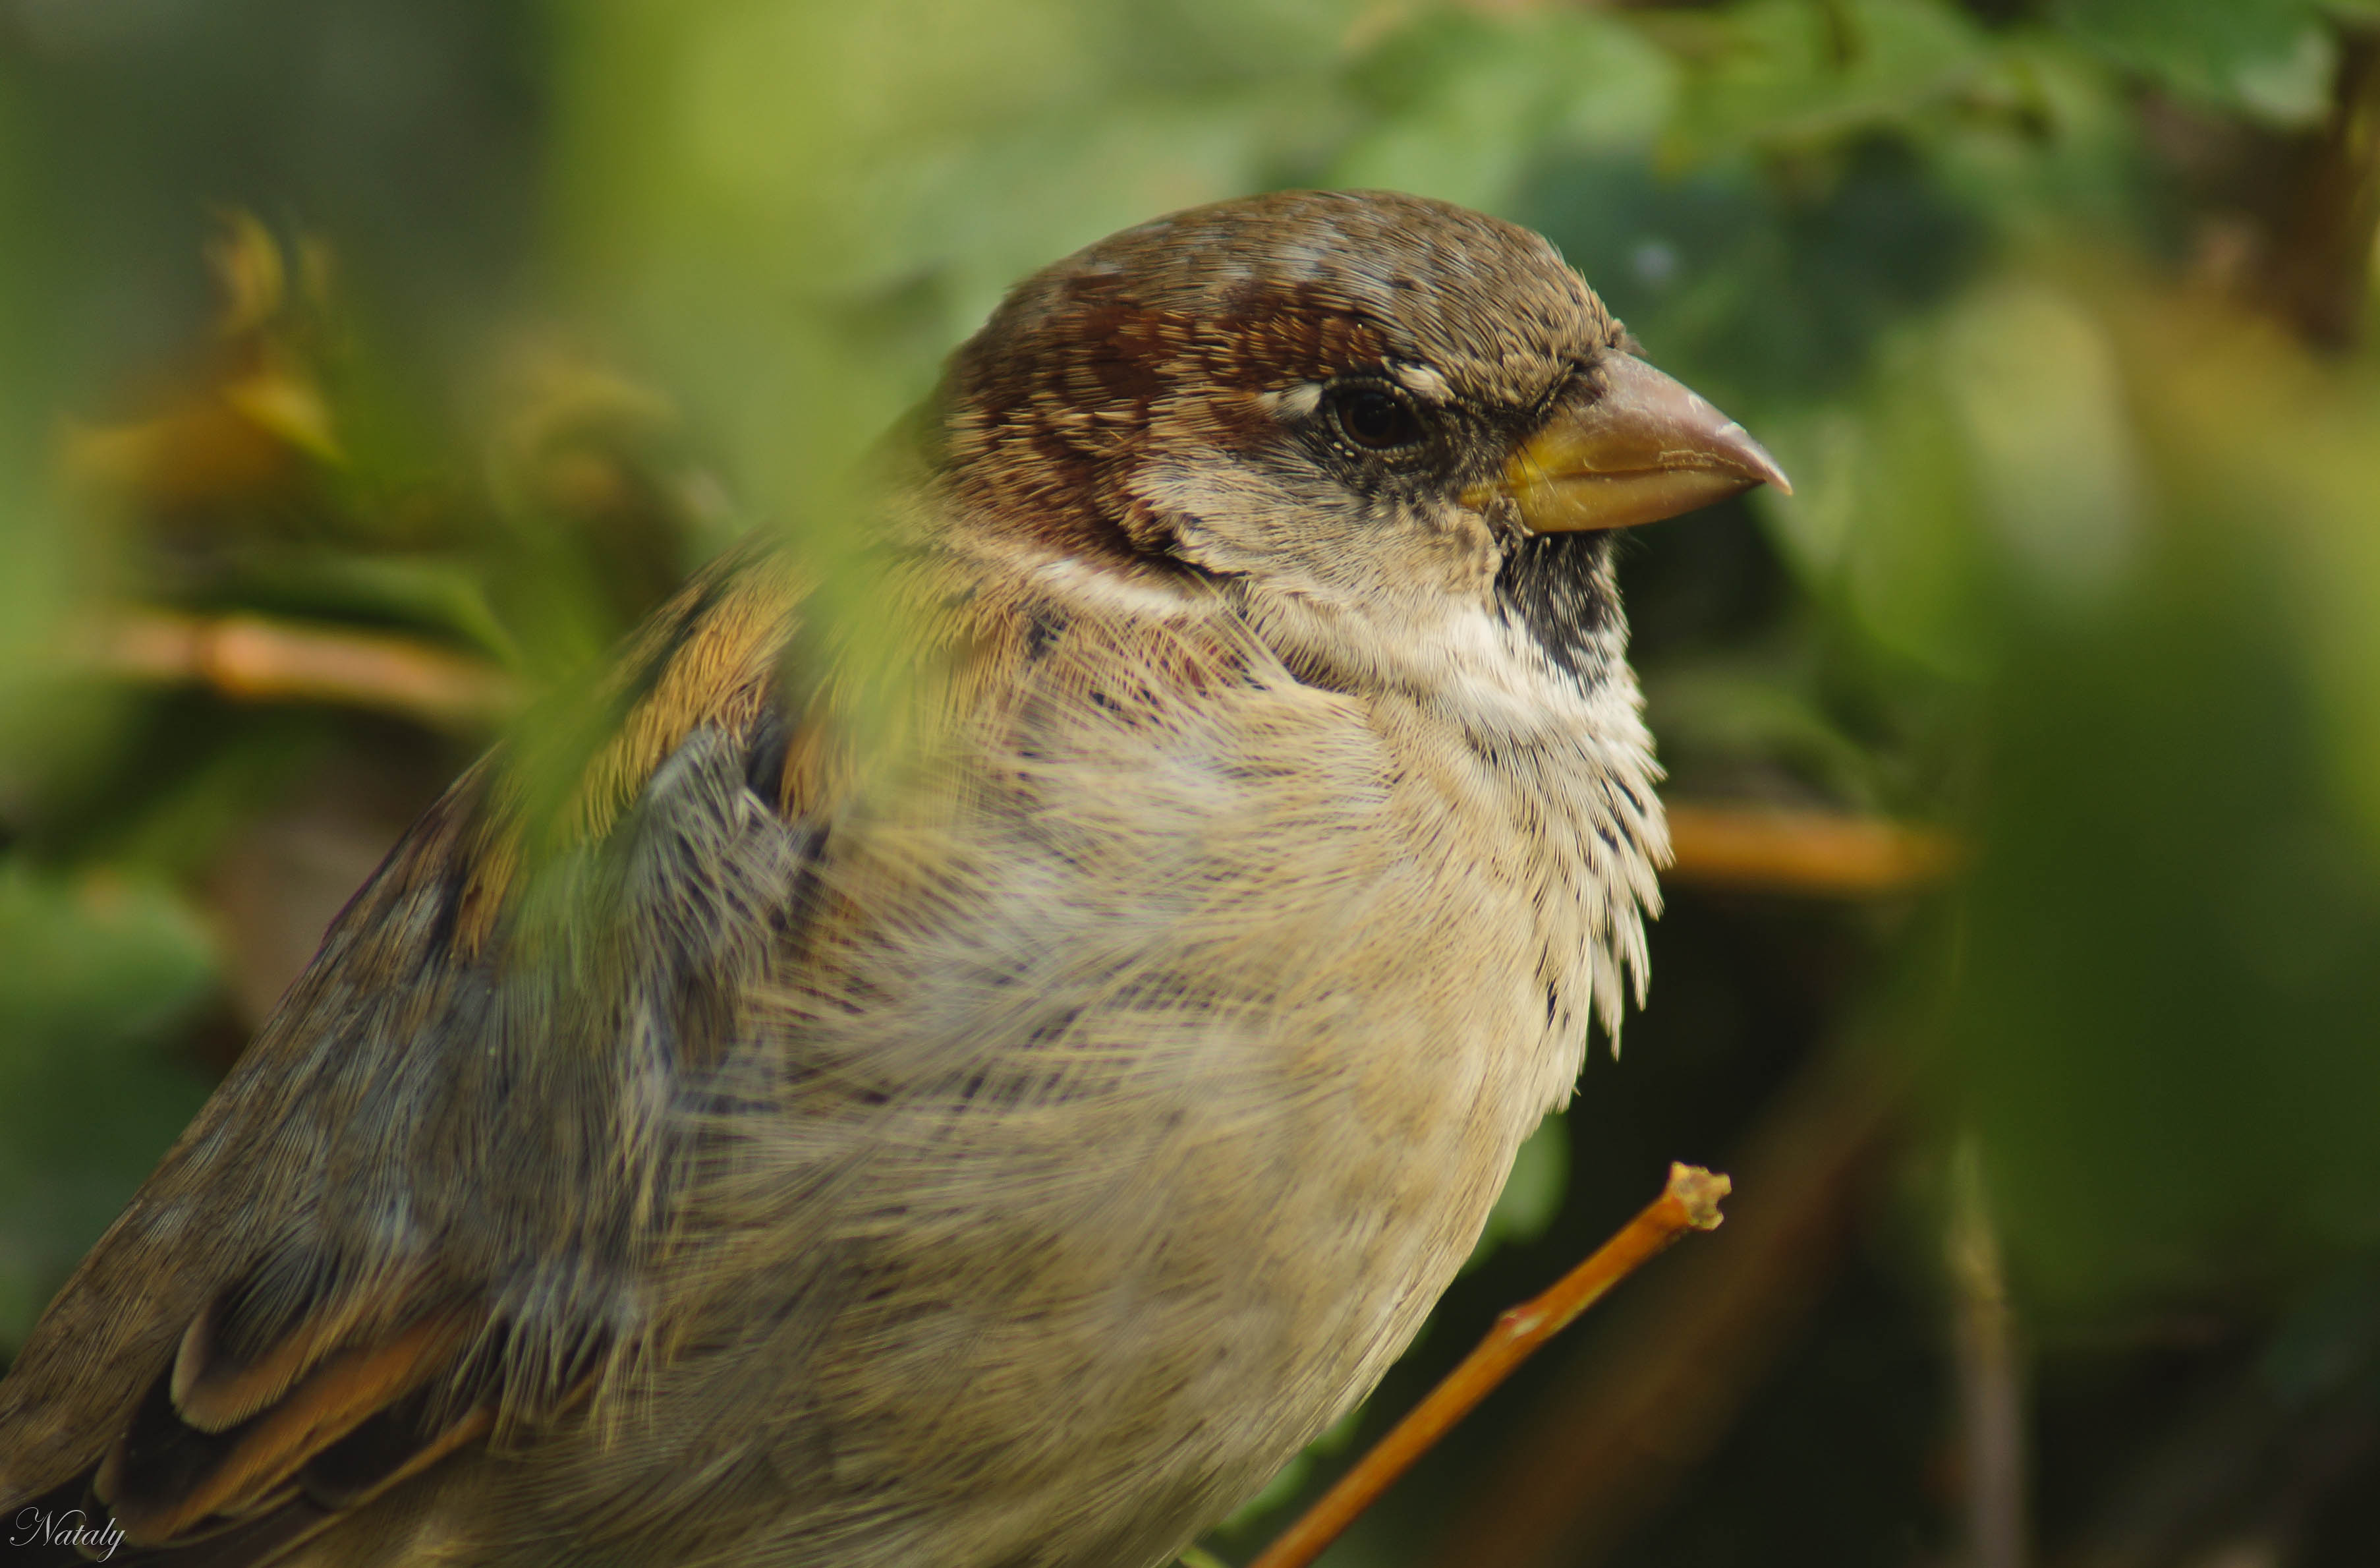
93,975
516,312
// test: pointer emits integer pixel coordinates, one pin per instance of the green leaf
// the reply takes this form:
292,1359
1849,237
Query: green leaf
2272,59
2166,1021
1798,74
443,595
1464,103
95,974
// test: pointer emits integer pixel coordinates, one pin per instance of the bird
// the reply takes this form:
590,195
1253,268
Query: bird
973,1054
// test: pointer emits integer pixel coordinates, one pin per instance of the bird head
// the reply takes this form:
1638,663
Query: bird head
1367,416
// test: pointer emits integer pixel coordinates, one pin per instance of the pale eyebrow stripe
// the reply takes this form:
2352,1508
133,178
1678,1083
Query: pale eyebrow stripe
1422,382
1297,403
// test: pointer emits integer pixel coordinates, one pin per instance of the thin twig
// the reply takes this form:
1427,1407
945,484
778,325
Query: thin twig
1689,1202
1611,1441
1804,852
248,658
1991,1405
251,659
2322,272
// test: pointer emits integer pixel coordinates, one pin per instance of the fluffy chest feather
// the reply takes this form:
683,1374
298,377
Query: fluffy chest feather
1206,1009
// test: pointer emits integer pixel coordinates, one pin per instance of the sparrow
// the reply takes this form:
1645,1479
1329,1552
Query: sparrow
977,1071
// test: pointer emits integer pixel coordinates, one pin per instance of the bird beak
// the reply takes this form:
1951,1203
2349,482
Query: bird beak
1631,447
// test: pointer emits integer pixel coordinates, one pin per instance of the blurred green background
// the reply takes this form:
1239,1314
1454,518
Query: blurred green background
367,366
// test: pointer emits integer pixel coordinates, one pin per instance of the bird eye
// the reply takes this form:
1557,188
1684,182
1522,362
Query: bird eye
1374,418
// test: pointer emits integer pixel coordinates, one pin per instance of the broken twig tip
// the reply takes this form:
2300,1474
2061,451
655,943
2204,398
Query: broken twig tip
1698,1191
1689,1202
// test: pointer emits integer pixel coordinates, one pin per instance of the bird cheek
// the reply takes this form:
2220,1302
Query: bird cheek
1468,548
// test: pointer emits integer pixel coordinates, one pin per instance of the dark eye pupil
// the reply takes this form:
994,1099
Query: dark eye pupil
1376,418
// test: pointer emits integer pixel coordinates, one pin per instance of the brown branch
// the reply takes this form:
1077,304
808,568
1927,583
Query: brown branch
1991,1404
252,660
1804,852
2322,271
1689,1202
1666,1374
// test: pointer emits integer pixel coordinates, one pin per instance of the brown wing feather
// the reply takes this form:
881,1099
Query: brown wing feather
225,1389
165,1476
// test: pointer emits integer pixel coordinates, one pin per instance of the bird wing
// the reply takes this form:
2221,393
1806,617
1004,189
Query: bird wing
418,1211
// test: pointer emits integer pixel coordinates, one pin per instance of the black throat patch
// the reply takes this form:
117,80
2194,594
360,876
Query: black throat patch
1561,588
